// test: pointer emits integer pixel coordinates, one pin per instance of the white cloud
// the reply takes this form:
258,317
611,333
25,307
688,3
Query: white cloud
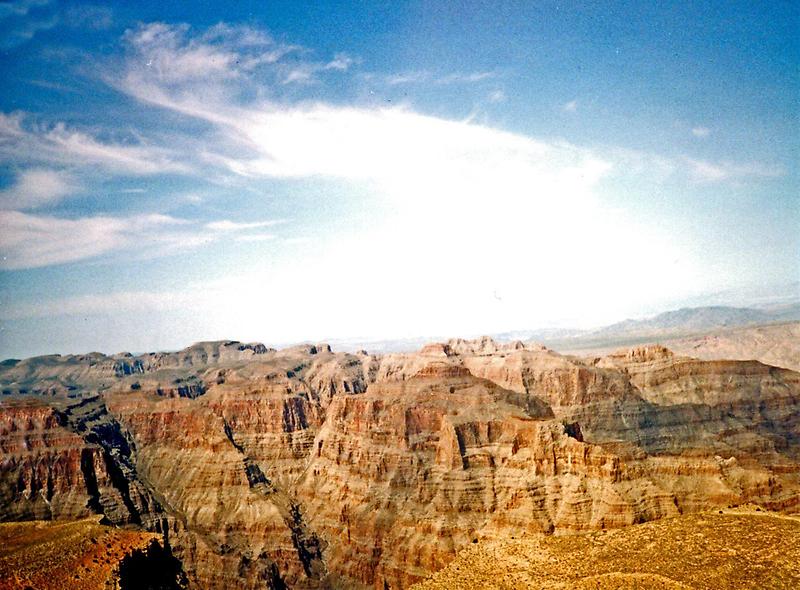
457,211
462,78
406,78
297,240
20,8
84,305
21,21
504,202
701,132
227,225
181,59
37,187
416,76
255,238
341,62
570,107
162,49
29,241
306,72
50,85
301,73
21,141
438,186
497,96
239,35
709,172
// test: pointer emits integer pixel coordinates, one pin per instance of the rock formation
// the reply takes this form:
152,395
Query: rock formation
306,468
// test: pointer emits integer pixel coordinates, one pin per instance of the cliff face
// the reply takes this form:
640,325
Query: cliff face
307,468
68,459
405,475
46,468
710,432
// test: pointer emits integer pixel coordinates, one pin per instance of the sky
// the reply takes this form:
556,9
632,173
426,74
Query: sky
287,171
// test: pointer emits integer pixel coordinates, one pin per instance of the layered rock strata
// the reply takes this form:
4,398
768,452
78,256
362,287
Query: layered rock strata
306,468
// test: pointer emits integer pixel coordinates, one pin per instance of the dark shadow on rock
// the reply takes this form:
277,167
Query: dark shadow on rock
154,568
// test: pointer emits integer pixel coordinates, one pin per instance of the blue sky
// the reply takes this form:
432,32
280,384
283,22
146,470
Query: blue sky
278,172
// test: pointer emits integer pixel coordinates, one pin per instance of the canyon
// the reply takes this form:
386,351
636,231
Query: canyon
308,468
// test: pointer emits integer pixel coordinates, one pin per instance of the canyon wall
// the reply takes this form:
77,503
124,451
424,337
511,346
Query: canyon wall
306,468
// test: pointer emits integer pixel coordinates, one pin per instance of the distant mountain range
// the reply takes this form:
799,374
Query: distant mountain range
678,323
695,319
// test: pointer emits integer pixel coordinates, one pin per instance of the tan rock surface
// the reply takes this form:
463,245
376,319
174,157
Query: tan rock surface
772,344
777,345
65,555
701,551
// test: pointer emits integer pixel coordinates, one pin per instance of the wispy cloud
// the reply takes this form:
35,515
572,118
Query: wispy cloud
23,141
255,238
306,72
161,54
709,172
570,107
418,76
88,16
340,62
461,78
37,187
497,96
163,50
387,146
406,78
123,301
193,198
50,85
226,225
30,241
408,160
21,21
701,132
301,73
20,7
